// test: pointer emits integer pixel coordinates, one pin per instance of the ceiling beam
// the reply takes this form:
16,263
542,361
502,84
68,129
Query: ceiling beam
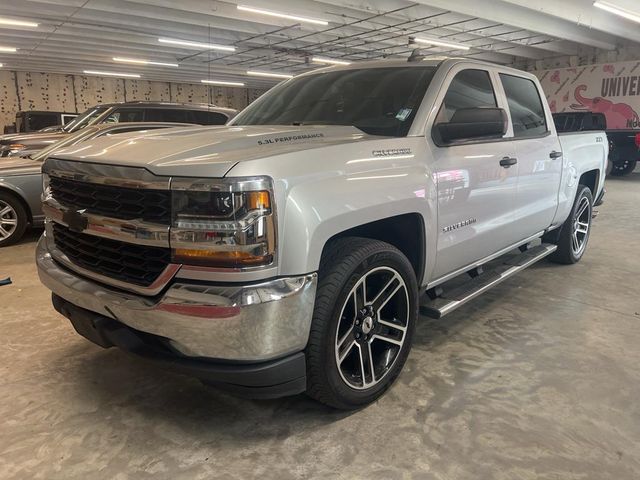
517,16
579,13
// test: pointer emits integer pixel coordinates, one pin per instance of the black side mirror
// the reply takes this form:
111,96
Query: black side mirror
474,123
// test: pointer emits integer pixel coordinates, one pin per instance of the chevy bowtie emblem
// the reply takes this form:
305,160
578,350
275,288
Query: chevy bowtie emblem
75,220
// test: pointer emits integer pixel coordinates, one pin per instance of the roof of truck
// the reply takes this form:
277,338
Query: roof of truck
426,62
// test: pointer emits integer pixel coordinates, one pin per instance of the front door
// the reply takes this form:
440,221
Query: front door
476,194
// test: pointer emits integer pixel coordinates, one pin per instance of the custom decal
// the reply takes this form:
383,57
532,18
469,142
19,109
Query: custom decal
292,138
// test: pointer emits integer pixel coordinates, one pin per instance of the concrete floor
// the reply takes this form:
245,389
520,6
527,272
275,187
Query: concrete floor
539,379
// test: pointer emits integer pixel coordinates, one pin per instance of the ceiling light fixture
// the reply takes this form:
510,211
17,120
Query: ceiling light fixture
223,83
17,23
143,62
440,43
268,74
329,60
8,49
198,45
1,65
616,10
271,13
111,74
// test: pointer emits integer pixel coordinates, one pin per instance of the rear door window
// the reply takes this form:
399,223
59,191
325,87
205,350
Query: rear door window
174,115
39,121
525,106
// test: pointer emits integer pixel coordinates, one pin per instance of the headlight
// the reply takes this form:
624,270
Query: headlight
11,149
16,148
46,191
223,223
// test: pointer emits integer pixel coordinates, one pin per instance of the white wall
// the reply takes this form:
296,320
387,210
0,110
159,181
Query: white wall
609,88
75,93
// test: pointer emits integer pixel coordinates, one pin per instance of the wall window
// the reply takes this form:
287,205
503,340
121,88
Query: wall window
525,105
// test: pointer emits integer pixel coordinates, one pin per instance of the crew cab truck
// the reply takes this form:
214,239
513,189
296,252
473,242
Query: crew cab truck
291,250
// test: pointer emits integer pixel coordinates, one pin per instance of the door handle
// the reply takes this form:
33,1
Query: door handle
553,155
506,162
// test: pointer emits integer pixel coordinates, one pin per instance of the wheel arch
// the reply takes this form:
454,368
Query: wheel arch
406,232
591,179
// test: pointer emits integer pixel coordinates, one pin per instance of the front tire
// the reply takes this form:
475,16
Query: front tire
574,233
13,219
363,322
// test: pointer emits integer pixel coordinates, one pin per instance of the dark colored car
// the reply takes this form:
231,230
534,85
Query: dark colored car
624,151
35,120
200,114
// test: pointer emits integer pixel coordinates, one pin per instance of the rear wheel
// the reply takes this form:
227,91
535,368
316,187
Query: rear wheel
364,317
624,167
574,233
13,219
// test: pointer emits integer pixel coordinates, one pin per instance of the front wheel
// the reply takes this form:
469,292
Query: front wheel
363,322
13,219
574,233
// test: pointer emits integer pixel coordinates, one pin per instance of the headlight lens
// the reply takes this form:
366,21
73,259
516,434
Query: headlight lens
16,147
223,223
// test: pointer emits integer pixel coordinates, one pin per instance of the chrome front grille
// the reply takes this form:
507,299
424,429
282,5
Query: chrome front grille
153,206
125,262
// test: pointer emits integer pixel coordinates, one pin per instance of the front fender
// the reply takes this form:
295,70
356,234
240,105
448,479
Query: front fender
26,187
316,211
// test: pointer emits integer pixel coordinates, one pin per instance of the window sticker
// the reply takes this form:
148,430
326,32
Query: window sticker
403,114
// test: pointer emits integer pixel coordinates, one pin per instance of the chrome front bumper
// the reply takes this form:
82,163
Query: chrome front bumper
255,322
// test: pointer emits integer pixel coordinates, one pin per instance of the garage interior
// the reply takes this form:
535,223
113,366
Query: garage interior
535,379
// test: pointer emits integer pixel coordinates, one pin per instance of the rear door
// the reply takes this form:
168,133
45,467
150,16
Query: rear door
476,194
538,151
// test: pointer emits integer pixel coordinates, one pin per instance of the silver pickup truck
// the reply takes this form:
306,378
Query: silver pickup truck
292,250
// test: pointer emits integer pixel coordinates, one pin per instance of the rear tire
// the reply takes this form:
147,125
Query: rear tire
623,168
575,231
363,321
13,219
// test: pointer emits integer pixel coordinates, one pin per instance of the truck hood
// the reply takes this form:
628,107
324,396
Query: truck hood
18,166
206,151
32,138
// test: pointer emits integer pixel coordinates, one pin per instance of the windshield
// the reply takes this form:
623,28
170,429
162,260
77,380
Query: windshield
378,101
84,119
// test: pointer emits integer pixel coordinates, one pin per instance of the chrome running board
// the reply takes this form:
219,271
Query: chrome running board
450,300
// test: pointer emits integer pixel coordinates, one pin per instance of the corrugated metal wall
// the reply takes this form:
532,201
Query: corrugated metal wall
76,93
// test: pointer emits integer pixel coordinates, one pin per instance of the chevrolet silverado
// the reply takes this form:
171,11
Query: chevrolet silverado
293,249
